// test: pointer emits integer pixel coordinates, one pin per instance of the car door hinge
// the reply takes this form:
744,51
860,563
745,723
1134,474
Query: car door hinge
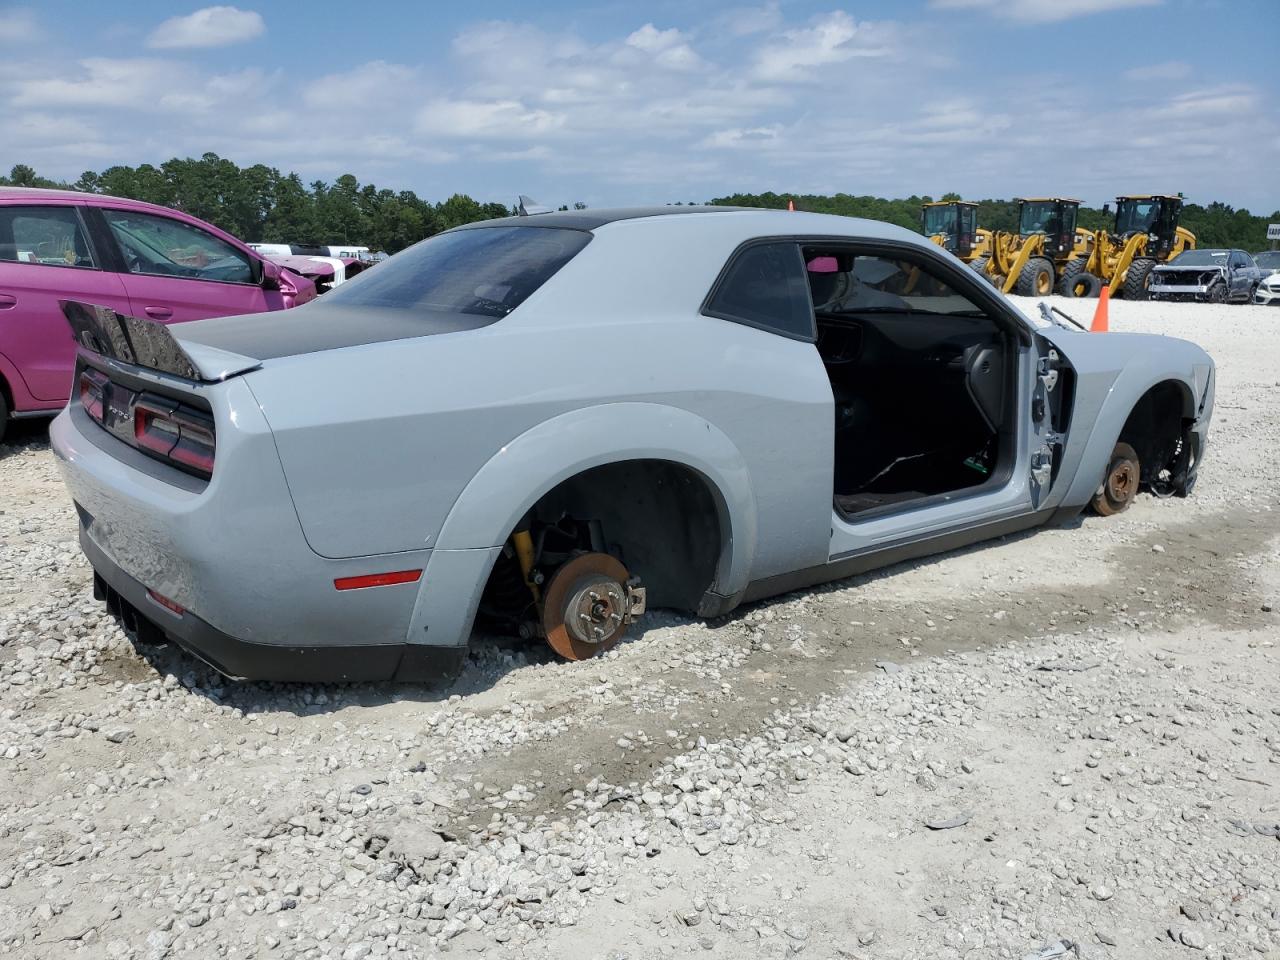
1048,369
1042,466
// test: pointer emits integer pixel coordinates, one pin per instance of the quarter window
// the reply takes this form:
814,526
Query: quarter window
765,286
160,246
51,236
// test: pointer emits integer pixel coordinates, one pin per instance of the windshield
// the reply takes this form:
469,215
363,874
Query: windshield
1136,216
1201,258
1040,218
482,270
1269,260
939,220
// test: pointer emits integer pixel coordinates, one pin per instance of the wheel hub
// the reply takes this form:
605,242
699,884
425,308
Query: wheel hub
1120,482
597,610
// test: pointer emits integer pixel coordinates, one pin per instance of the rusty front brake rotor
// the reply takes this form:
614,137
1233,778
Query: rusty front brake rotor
588,605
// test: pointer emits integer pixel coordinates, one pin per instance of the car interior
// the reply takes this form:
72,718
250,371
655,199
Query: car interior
922,379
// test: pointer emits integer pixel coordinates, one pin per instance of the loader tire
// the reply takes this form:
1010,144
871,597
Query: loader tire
1083,286
1138,279
1036,279
979,266
1069,271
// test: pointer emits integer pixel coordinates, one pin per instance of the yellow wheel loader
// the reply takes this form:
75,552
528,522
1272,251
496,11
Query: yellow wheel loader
1146,233
953,225
1048,251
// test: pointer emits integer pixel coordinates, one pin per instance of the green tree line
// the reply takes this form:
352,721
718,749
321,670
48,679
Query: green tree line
261,204
1215,225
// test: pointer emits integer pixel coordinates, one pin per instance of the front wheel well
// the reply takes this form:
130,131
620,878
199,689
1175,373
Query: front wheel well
1157,430
660,518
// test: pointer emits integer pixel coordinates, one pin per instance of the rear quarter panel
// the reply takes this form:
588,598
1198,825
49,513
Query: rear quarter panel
380,441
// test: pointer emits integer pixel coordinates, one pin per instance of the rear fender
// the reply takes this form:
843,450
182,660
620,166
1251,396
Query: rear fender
527,468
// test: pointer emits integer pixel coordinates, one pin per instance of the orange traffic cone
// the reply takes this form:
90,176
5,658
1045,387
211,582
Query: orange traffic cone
1100,315
791,205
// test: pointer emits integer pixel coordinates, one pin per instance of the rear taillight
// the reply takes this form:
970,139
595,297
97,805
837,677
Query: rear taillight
93,387
174,433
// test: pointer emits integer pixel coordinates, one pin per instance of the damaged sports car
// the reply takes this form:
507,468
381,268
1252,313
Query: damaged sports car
548,423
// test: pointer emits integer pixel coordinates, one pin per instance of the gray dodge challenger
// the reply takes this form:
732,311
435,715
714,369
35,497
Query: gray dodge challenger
546,423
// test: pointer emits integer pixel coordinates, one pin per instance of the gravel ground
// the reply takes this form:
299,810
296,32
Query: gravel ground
1066,737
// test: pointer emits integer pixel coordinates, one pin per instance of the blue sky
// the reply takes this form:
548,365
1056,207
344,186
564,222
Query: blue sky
623,103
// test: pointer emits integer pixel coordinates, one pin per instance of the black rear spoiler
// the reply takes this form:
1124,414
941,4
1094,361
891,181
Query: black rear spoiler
144,343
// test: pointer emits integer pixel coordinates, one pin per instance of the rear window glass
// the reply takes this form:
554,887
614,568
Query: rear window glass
484,270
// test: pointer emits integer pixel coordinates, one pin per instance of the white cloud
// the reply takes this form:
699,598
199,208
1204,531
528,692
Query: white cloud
648,113
362,87
833,38
667,47
502,119
99,82
18,24
744,21
1042,11
1156,72
209,27
143,84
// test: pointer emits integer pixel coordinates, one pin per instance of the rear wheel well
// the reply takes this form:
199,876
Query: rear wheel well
1157,430
660,518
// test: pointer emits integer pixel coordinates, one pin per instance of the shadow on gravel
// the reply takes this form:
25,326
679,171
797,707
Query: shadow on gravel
23,435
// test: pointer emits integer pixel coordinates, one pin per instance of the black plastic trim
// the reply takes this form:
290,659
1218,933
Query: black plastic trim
245,660
848,565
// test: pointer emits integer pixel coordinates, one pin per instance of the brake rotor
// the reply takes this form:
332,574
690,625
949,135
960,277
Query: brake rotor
587,606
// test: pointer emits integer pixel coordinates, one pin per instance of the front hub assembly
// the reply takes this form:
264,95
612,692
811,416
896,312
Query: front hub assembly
588,605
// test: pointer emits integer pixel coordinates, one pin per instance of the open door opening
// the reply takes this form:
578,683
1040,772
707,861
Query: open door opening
923,380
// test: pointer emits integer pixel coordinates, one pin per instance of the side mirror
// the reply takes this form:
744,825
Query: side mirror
270,275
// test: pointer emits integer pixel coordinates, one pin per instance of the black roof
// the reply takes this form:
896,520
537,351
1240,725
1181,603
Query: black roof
590,219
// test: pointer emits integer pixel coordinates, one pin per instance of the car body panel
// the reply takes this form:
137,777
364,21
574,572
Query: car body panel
373,449
34,332
173,533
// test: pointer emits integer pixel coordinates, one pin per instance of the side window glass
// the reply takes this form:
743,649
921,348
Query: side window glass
51,236
765,287
848,283
161,247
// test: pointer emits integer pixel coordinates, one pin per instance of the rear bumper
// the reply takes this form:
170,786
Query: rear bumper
260,603
244,660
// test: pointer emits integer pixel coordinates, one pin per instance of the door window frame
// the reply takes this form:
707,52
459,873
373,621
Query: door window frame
962,279
77,210
120,265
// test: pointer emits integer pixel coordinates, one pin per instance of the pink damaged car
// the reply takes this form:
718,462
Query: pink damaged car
136,258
